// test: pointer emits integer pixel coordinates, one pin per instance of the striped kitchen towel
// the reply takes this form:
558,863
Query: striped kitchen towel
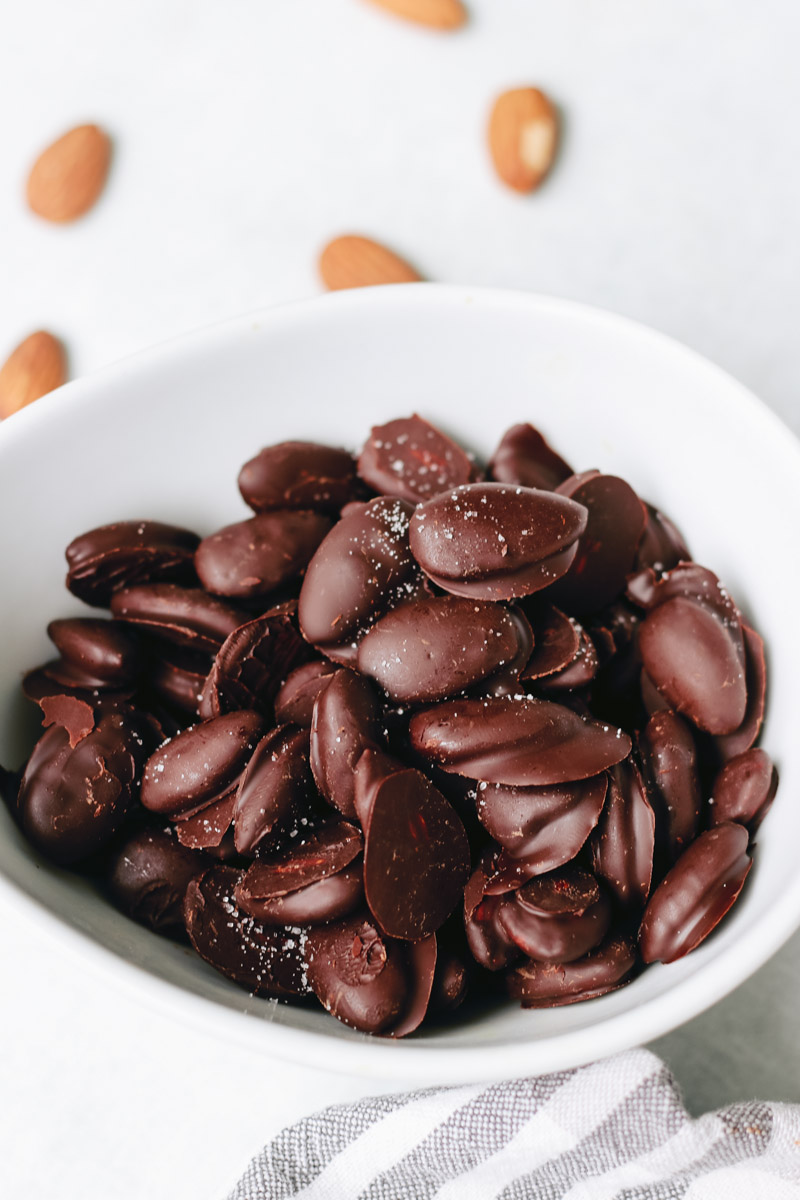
615,1130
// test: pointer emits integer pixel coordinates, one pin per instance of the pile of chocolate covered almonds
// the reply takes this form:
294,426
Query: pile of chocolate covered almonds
413,730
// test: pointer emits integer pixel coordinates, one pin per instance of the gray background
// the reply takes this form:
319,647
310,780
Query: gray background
248,134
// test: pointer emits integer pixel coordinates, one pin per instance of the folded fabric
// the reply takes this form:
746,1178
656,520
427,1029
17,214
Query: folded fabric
615,1130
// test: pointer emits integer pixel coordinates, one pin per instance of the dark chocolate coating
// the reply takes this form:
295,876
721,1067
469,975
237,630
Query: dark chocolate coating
148,877
524,457
556,640
329,849
200,765
606,550
696,664
744,790
253,662
301,475
421,961
265,961
294,703
347,720
742,738
116,556
254,557
488,942
436,646
493,541
661,546
550,985
524,742
274,790
207,828
545,826
578,673
669,756
695,894
97,650
413,460
72,799
557,917
623,843
357,975
361,570
325,900
185,616
177,681
416,853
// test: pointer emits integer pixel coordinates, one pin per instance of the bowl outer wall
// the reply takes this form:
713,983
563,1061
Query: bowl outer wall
163,434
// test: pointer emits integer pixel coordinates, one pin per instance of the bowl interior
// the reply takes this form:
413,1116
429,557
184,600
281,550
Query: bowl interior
163,436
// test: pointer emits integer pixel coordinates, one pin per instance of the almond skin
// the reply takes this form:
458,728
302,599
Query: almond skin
351,261
523,137
68,177
37,366
436,14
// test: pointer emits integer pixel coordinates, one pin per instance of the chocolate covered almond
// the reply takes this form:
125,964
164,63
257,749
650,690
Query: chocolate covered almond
347,720
524,457
524,742
492,541
275,789
412,459
544,826
189,617
252,558
303,475
128,552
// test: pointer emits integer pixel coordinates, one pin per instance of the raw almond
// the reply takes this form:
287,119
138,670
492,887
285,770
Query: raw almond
523,137
67,177
37,366
436,14
351,261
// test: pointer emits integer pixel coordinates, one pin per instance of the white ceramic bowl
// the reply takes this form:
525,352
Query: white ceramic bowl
163,435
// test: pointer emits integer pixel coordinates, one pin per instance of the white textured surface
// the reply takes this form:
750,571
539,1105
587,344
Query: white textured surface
246,135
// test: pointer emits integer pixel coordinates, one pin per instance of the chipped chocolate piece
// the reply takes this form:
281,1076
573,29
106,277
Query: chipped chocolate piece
275,790
148,877
661,546
413,460
550,985
525,742
356,974
97,651
300,475
669,756
623,843
695,894
116,556
744,790
72,799
524,457
200,766
544,826
361,570
253,662
294,703
696,662
187,617
70,713
265,961
742,738
347,720
254,557
416,854
557,917
437,646
605,554
492,541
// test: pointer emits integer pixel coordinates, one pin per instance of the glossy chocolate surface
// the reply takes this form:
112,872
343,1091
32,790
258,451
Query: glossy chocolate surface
623,843
111,557
99,652
744,790
189,617
297,695
550,985
358,976
492,541
254,557
275,788
148,877
544,826
346,721
413,460
302,475
525,742
524,457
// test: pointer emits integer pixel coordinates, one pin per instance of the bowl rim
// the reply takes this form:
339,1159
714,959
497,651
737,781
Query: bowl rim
410,1061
